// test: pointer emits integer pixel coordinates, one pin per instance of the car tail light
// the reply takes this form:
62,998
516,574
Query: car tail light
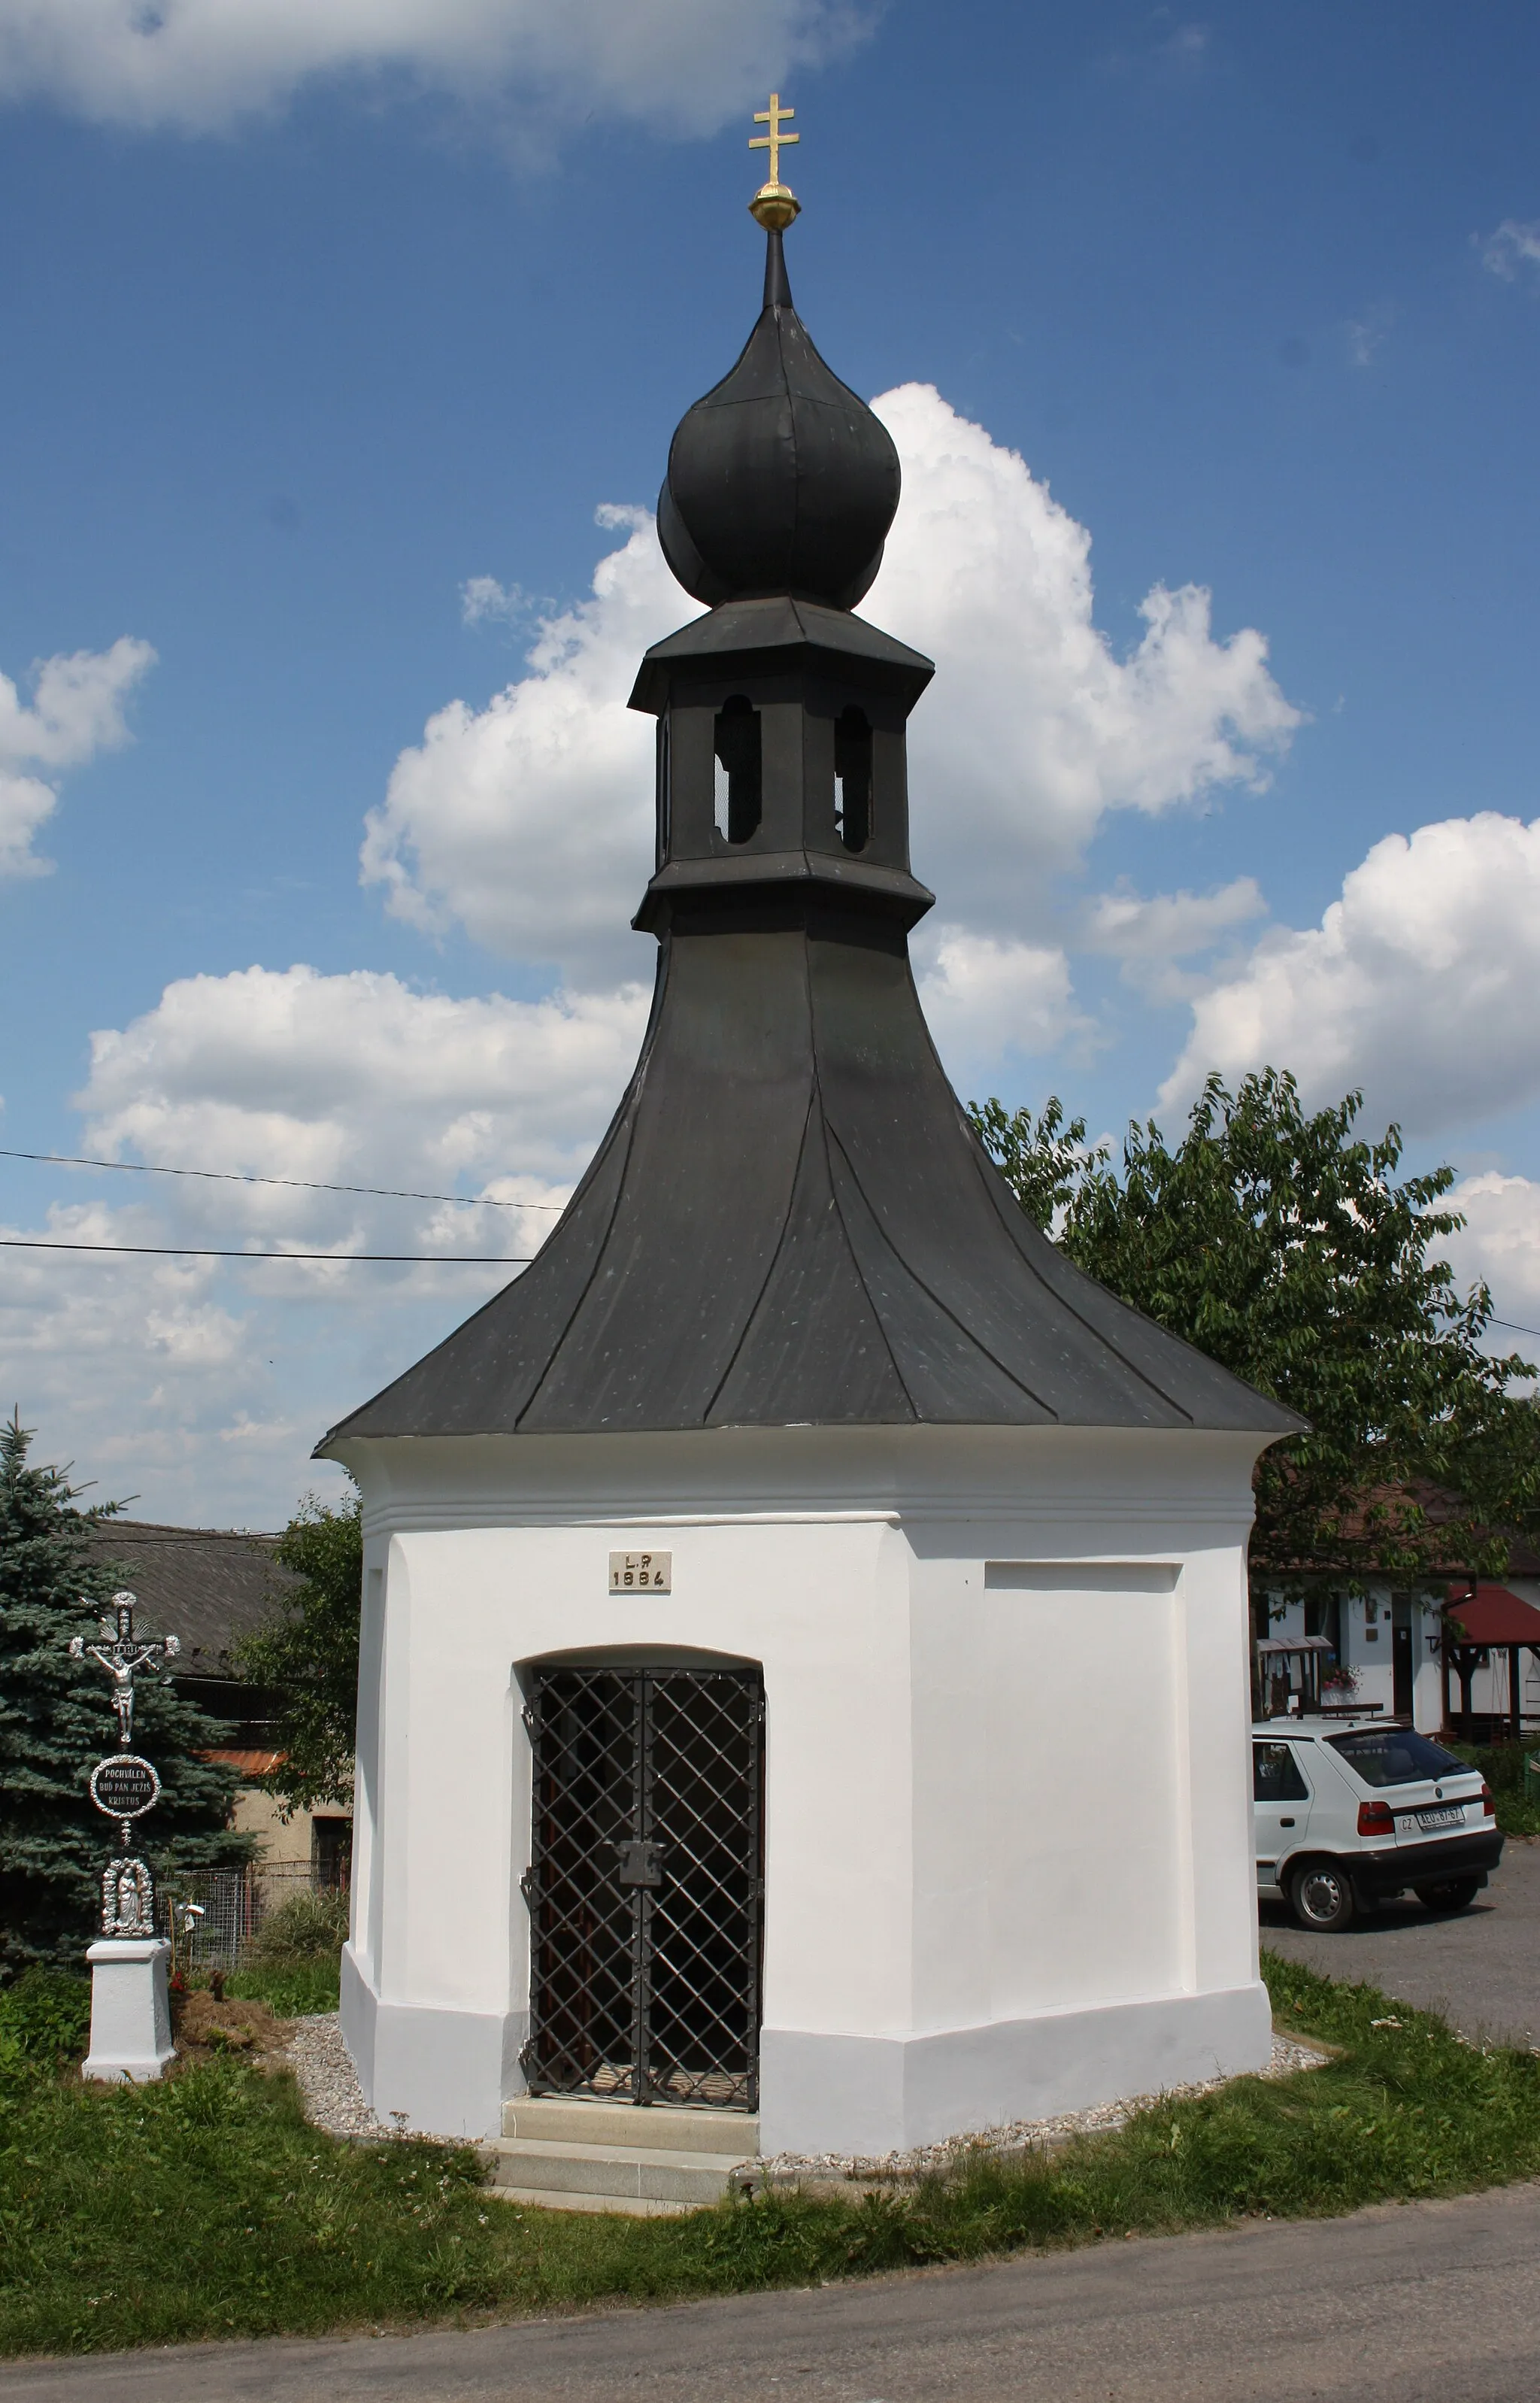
1376,1819
1489,1808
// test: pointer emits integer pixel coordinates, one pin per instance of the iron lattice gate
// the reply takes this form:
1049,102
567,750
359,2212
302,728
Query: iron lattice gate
645,1889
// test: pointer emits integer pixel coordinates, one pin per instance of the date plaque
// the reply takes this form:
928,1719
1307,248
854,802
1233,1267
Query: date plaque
641,1572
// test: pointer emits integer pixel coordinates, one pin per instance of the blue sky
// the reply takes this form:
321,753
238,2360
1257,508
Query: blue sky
308,328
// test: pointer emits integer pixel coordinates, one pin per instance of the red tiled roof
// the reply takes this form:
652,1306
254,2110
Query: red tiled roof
250,1764
1439,1508
1492,1615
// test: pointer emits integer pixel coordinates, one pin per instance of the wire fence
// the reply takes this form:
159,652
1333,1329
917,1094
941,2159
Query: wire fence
233,1905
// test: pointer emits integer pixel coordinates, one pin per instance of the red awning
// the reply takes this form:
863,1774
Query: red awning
1492,1615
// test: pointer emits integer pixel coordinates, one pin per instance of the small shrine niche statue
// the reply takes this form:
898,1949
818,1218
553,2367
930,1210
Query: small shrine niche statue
131,2016
128,1900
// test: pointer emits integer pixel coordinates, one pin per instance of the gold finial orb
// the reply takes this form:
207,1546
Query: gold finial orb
774,203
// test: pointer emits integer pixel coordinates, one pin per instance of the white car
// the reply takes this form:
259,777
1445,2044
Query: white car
1349,1812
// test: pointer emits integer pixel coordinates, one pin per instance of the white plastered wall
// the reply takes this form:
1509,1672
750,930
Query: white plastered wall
1007,1841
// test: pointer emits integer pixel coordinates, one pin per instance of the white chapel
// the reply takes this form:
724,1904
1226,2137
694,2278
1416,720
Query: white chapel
805,1671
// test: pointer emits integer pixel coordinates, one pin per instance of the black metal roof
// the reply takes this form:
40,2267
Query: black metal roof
797,1224
778,630
790,1220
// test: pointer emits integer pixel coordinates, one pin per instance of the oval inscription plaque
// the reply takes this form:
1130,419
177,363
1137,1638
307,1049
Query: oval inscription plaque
124,1786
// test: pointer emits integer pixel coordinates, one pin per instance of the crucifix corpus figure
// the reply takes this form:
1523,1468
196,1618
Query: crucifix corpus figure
119,1657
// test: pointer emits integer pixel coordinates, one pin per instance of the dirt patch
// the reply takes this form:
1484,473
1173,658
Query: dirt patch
204,2025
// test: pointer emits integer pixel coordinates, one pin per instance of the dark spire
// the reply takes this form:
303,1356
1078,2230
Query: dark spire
780,480
791,1221
777,282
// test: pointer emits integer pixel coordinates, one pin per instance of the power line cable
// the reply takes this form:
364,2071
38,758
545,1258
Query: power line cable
300,1184
208,1252
313,1184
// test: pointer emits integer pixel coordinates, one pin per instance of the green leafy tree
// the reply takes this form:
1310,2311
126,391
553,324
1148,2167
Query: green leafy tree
1044,1159
56,1723
1282,1245
308,1653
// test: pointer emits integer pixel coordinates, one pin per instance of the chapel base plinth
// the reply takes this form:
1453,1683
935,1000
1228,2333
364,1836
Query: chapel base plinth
878,2094
130,2009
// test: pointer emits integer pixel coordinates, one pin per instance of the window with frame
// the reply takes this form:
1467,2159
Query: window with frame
1276,1775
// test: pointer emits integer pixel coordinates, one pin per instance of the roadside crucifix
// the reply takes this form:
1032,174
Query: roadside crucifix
123,1787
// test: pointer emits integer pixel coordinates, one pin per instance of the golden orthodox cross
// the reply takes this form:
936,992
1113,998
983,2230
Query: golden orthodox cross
774,116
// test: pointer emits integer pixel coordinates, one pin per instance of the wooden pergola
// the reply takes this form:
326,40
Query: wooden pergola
1487,1618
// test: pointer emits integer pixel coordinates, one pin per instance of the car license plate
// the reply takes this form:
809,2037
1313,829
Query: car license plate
1454,1818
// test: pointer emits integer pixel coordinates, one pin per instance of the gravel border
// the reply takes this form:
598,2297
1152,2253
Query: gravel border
1289,2055
334,2102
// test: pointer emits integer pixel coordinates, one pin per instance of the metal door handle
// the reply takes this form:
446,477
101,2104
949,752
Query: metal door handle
1285,1823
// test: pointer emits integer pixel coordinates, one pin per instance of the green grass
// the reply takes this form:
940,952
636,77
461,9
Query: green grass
296,1963
292,1991
1503,1767
206,2207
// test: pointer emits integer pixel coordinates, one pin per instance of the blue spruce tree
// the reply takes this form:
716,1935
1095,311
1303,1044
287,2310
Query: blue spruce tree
55,1724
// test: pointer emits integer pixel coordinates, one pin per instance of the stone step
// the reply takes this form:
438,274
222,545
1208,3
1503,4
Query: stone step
603,2174
625,2206
566,2119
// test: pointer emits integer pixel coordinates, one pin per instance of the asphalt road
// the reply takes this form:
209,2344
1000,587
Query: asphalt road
1480,1968
1422,2304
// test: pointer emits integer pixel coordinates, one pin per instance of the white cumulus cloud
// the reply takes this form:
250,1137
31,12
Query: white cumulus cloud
985,997
1151,934
1501,1243
356,1079
200,65
1418,984
1169,926
75,709
203,1383
481,597
530,821
26,804
128,1366
1035,727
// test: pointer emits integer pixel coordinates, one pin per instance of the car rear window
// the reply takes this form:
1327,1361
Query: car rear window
1396,1756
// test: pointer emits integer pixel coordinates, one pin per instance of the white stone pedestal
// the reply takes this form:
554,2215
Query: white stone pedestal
129,2008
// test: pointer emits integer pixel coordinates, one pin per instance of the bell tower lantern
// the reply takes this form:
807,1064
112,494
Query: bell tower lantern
781,745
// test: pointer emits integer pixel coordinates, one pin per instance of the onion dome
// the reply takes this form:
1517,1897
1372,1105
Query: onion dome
780,480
